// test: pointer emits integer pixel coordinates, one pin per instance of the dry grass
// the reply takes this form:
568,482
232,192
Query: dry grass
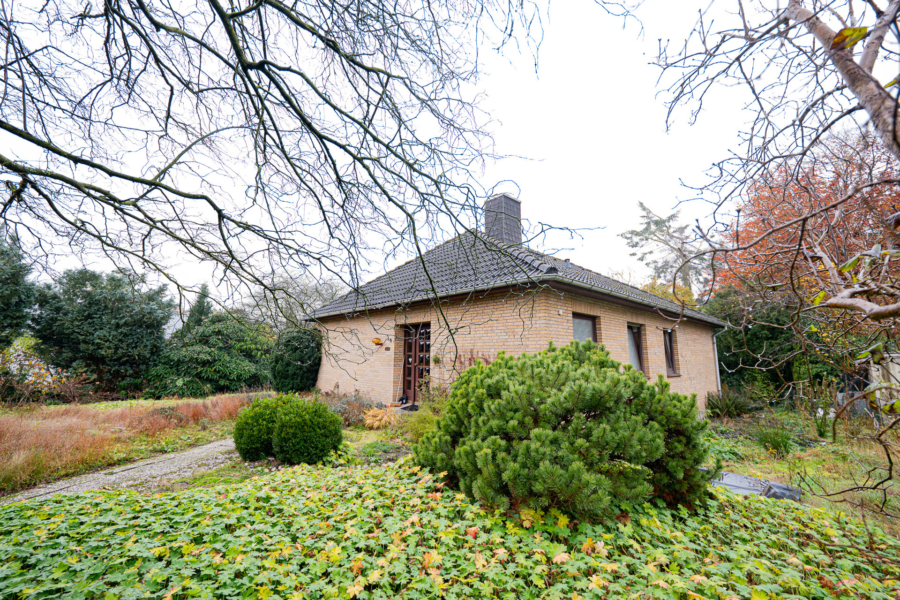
43,443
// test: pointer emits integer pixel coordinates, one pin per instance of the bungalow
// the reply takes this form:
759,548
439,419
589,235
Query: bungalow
481,293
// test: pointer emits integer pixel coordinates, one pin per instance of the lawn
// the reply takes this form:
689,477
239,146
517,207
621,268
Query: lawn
43,443
393,532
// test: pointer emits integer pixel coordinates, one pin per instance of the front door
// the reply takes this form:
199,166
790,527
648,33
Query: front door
416,358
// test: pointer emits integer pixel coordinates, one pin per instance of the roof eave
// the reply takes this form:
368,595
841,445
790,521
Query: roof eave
549,277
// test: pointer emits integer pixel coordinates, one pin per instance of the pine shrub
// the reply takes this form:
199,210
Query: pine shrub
255,428
305,432
567,428
296,360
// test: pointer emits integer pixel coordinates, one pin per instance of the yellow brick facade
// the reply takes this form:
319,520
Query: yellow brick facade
483,324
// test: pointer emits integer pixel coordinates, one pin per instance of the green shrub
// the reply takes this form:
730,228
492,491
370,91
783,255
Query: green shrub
296,359
255,428
431,400
305,432
416,424
774,436
729,403
220,354
567,428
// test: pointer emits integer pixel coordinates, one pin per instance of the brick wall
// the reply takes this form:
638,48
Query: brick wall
481,325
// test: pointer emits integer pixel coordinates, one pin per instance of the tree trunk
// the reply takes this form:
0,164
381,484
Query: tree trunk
877,101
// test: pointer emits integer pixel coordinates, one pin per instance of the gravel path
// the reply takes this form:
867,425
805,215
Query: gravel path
144,475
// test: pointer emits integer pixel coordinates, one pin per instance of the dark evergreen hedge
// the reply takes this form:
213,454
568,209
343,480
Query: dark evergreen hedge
296,360
567,428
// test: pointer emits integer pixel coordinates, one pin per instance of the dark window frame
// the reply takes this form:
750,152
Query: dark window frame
636,333
590,318
670,350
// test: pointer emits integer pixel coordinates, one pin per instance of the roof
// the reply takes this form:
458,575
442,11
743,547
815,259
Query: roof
470,262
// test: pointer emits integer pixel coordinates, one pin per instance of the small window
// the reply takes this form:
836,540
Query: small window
636,347
584,328
669,341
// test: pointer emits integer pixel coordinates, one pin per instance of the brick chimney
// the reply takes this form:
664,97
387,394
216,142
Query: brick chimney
503,219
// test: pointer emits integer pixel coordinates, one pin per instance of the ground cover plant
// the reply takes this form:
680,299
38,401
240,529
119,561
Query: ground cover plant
814,464
395,532
42,443
567,428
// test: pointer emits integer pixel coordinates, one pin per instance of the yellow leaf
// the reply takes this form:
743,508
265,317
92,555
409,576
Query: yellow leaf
818,299
561,558
758,595
610,567
848,37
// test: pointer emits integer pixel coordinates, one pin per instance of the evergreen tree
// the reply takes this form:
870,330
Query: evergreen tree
223,354
296,360
567,428
16,293
103,325
200,310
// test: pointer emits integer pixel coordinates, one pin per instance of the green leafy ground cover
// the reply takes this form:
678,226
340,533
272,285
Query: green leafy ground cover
391,532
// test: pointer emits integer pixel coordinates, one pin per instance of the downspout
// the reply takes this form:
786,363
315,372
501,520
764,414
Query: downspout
716,352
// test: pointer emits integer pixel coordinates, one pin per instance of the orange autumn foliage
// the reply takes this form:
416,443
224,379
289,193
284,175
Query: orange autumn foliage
781,200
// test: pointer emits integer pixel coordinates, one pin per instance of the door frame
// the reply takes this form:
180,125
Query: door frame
415,365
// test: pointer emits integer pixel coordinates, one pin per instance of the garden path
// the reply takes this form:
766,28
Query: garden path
143,475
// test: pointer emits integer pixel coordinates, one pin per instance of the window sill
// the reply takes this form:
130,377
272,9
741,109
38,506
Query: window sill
671,375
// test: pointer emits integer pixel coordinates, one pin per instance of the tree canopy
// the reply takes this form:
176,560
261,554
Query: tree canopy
109,327
16,293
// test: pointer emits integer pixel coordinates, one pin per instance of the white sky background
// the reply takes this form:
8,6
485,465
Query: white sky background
594,127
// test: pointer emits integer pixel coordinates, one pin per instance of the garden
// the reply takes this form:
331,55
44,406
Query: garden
507,493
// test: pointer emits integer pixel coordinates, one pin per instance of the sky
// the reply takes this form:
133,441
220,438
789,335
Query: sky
592,122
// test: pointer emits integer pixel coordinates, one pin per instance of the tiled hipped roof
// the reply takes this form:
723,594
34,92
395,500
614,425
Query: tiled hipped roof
469,263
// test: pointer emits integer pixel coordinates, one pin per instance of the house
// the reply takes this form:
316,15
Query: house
484,292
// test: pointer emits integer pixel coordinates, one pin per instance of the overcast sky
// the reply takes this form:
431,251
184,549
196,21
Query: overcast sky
594,126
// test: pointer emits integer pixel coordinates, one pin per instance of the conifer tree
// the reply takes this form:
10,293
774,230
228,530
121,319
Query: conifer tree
567,428
200,309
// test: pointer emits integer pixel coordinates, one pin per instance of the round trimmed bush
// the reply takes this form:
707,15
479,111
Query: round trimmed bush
296,360
305,432
255,427
567,428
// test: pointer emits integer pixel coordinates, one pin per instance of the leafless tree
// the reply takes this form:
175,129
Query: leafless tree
252,137
285,302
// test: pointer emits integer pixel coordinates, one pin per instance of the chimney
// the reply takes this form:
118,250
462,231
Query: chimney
503,219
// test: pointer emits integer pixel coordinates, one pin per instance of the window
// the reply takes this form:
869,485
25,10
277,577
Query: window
636,347
669,342
584,328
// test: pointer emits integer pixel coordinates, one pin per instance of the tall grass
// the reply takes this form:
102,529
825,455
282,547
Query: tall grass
42,443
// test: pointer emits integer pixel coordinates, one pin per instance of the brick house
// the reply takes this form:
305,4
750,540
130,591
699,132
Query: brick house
480,293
